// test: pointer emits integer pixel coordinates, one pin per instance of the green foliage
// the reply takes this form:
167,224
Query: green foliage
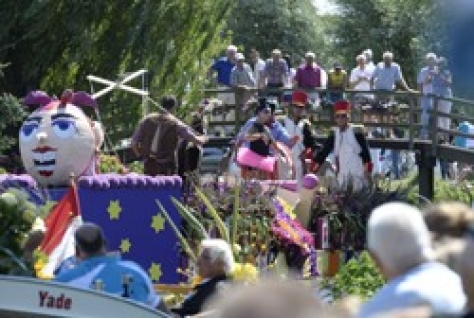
52,45
348,210
292,26
446,191
408,28
359,277
111,164
17,215
136,167
11,114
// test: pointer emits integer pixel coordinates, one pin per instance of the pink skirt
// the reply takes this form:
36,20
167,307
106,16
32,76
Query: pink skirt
246,157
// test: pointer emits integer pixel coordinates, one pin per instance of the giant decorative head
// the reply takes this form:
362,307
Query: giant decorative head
58,140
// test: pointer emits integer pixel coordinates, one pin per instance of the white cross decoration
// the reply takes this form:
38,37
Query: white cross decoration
119,84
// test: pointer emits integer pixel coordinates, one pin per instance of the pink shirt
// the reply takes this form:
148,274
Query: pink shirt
308,76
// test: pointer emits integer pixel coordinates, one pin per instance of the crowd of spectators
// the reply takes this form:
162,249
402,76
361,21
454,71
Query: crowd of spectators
425,257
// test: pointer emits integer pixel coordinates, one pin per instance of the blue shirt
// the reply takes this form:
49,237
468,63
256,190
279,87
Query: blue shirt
224,67
279,133
110,269
387,77
461,141
432,284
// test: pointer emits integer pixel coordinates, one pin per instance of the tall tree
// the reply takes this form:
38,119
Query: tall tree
55,44
290,25
406,27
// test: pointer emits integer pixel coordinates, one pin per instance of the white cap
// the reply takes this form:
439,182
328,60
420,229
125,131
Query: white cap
276,51
368,52
232,48
361,57
431,55
388,54
310,55
239,56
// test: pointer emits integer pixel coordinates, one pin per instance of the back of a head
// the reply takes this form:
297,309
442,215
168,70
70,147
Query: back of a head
169,102
398,236
221,252
448,219
463,263
90,239
269,299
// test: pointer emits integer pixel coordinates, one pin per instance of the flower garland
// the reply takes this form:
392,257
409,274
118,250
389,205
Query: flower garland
290,233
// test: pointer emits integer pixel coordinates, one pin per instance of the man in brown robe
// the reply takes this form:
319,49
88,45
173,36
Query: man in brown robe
157,136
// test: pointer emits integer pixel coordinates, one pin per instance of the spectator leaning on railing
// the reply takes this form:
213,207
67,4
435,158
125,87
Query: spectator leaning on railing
275,74
425,86
308,76
223,66
241,78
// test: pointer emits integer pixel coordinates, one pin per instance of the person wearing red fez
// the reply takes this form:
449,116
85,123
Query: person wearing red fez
348,143
297,125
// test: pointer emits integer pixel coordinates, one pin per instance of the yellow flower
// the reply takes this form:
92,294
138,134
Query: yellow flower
245,272
196,280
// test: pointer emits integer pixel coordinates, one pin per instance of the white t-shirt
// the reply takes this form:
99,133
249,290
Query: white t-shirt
258,69
358,72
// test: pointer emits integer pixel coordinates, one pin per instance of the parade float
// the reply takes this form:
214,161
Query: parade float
142,216
273,226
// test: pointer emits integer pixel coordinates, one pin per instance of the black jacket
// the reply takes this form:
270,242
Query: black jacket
329,147
193,303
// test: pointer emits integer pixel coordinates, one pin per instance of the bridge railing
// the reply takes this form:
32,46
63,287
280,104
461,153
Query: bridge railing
402,111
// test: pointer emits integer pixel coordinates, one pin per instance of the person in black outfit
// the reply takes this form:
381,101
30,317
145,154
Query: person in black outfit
214,263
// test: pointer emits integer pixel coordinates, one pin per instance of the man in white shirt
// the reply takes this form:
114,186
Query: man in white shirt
368,60
360,76
400,244
425,86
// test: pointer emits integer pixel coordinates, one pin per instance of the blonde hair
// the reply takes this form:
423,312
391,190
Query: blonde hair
458,254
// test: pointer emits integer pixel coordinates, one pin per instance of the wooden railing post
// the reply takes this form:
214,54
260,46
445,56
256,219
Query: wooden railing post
411,129
239,94
426,163
434,125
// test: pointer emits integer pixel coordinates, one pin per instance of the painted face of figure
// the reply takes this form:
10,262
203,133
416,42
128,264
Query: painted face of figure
57,141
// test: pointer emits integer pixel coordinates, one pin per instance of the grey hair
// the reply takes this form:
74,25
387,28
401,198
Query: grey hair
399,237
431,55
219,251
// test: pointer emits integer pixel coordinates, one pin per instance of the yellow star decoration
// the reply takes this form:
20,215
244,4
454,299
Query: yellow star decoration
155,272
114,209
158,223
125,245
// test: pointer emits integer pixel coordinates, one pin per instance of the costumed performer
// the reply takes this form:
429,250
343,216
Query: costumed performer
348,142
297,125
260,136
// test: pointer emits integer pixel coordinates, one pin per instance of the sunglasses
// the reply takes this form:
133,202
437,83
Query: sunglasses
341,116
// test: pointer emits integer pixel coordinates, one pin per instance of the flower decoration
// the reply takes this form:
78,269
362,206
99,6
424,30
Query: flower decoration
245,272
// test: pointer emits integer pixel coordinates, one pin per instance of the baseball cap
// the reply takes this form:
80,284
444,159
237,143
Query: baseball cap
232,48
